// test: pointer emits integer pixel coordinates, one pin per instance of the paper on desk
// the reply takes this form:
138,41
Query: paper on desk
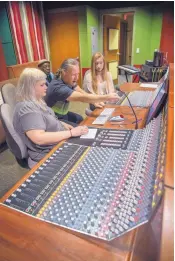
90,135
149,85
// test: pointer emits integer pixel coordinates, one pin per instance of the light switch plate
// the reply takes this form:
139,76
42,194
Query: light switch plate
138,50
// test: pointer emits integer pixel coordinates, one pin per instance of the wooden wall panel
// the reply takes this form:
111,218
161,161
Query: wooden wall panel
63,37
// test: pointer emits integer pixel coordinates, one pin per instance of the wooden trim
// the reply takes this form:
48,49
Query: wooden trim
65,10
167,237
118,10
169,168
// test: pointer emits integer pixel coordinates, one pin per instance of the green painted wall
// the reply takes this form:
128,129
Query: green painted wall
82,25
92,21
156,30
5,36
146,34
88,17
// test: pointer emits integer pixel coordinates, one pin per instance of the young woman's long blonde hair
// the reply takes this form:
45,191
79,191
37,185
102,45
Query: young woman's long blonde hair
26,86
93,72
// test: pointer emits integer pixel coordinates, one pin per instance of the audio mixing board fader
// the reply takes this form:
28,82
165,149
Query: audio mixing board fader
35,191
101,192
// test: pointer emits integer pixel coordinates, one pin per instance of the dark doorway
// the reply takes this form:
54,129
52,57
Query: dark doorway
123,42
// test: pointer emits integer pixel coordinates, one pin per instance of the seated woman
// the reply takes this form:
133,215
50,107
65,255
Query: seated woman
36,123
98,80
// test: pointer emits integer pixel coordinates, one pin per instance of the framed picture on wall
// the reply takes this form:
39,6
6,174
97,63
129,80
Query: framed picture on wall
113,39
113,69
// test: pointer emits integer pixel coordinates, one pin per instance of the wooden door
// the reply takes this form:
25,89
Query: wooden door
111,56
63,37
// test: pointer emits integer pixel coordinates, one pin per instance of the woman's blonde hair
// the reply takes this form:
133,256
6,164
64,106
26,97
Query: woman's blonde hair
26,86
93,72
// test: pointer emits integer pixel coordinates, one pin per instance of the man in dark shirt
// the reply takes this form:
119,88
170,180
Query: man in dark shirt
44,65
64,89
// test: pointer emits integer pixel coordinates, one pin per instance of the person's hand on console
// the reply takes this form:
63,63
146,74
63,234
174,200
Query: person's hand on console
78,131
112,97
99,105
119,95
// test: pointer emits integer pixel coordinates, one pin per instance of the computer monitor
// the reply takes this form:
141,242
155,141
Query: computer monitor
164,78
158,102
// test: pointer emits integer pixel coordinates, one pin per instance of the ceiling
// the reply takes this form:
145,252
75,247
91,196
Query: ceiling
98,4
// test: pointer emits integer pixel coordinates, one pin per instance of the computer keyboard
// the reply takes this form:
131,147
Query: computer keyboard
139,98
104,116
107,111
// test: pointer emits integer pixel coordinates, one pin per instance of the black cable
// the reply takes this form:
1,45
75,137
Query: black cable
136,122
167,186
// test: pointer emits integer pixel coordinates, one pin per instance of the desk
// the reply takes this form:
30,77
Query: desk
125,111
169,170
171,100
167,242
171,86
23,238
130,87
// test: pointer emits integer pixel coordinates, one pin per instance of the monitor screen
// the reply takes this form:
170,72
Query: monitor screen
158,102
165,78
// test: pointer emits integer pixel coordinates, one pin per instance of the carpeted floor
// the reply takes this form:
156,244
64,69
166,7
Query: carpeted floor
10,171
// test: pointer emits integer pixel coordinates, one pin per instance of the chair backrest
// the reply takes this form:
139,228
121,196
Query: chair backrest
14,71
84,70
9,94
14,142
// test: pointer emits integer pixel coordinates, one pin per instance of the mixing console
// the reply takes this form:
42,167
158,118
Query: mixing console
117,139
101,192
32,194
139,98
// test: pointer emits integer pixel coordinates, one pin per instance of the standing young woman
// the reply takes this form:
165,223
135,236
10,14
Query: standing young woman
98,80
36,123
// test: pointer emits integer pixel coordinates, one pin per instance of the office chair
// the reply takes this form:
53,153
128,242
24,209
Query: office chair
14,142
8,94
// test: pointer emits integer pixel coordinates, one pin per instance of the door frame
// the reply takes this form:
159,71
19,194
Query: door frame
116,11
